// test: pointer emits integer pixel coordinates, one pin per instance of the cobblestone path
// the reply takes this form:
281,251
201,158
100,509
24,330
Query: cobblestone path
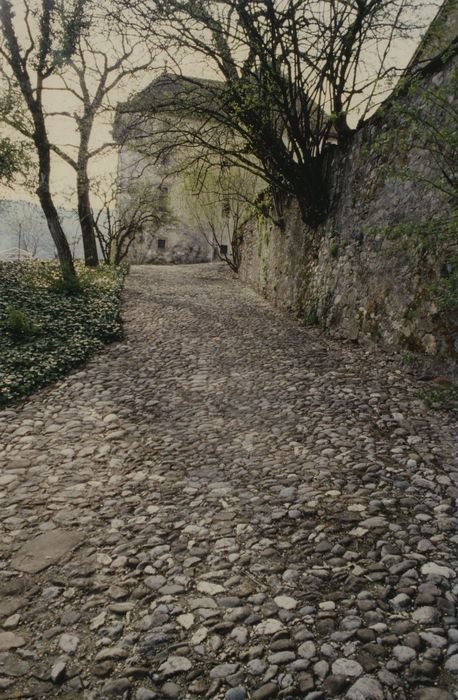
227,505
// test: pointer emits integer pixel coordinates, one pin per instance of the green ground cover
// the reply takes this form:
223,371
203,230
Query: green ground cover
46,328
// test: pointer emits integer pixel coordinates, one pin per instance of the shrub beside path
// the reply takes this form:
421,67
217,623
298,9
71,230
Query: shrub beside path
227,505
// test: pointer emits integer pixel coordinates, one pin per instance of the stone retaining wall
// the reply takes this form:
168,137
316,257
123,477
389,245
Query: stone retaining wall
378,269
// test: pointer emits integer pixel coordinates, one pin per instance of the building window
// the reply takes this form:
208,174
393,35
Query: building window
164,158
161,244
223,250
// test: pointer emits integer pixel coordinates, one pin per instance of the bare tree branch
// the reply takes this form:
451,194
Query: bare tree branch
291,77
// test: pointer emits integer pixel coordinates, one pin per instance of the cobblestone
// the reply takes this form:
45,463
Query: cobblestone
227,504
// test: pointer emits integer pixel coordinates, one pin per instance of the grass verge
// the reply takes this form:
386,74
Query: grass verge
46,329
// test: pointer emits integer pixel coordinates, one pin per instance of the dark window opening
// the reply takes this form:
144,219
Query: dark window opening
226,207
223,249
164,158
161,243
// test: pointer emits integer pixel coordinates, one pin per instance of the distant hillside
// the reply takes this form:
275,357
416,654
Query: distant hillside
23,225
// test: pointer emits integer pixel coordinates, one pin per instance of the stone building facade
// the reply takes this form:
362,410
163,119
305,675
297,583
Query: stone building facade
149,161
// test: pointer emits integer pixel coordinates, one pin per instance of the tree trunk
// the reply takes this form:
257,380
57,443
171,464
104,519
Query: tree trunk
33,99
311,193
60,241
91,257
47,204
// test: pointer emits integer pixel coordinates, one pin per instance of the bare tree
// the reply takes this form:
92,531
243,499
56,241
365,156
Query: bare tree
93,76
124,216
47,44
290,76
90,76
219,204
